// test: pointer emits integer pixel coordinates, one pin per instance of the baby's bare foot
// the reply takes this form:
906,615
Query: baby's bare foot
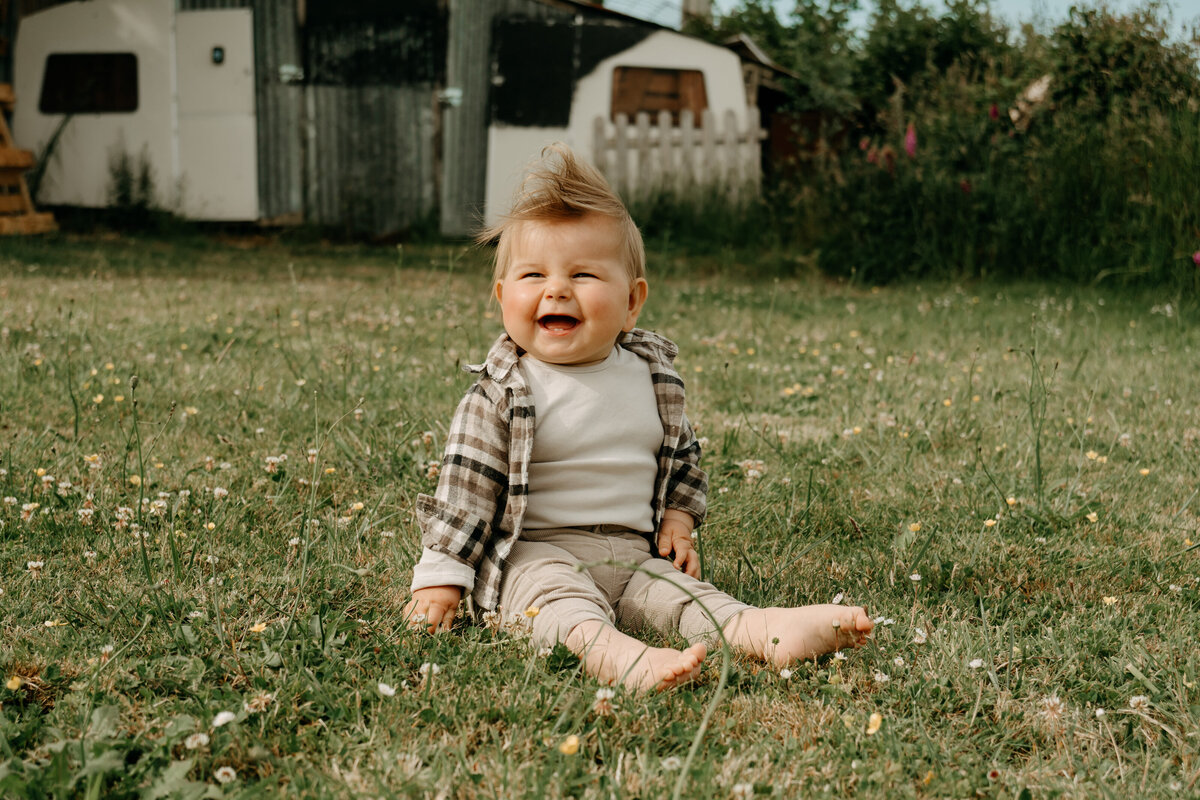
782,635
612,657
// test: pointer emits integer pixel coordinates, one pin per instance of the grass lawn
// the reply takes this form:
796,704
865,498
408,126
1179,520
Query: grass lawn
202,575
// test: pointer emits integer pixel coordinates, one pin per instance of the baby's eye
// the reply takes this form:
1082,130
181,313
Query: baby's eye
531,275
584,275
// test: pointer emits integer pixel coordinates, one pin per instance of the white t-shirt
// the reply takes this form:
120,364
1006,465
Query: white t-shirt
595,445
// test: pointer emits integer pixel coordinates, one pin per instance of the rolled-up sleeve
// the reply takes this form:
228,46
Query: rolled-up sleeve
439,569
457,521
687,487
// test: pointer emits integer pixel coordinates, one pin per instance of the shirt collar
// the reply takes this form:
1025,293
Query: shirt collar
500,361
503,356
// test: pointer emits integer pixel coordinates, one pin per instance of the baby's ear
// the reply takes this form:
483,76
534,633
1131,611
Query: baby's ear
639,290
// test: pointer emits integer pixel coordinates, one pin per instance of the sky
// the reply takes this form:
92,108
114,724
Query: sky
1047,13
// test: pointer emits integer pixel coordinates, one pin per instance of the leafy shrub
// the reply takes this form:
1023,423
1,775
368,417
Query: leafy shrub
911,49
1106,63
964,171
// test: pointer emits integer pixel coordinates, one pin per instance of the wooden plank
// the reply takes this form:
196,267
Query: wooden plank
708,145
621,170
733,165
600,144
665,170
692,94
12,203
13,159
687,143
27,224
644,169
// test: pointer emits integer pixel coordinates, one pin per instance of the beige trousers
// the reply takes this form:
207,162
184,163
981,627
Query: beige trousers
606,573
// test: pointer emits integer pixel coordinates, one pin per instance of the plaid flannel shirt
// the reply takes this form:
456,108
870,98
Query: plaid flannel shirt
475,514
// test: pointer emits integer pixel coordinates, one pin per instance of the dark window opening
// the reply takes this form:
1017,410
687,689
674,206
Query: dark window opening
637,89
89,83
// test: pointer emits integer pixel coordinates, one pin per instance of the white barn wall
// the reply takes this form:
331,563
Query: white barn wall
511,148
142,27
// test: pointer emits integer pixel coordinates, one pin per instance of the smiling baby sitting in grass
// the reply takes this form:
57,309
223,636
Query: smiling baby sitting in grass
571,478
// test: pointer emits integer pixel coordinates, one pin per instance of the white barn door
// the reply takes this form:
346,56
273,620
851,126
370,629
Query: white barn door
218,149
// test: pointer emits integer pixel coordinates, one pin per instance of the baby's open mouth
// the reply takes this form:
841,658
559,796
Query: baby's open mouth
557,323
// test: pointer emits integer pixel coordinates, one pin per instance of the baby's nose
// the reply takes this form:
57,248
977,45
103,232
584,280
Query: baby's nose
557,287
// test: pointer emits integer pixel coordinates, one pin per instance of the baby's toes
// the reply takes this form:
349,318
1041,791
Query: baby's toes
853,628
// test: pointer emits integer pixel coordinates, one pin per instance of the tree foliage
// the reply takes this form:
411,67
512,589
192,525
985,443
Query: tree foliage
974,150
1103,61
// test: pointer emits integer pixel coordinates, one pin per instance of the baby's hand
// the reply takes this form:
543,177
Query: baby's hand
675,542
433,608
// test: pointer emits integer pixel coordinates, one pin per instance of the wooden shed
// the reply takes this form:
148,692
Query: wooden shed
374,116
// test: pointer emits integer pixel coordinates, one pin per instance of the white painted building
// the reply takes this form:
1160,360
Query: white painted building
170,91
366,117
714,73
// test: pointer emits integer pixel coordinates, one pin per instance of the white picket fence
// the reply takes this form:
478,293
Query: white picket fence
641,157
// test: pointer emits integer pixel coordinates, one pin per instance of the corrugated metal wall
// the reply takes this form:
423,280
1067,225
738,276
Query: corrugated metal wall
465,126
280,96
371,137
370,157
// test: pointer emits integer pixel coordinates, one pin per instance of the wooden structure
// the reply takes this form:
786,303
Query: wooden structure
17,214
376,116
644,156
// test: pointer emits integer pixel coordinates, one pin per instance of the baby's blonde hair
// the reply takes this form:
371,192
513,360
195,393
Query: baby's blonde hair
561,187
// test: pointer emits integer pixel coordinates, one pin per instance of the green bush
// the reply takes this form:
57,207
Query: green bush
1093,183
909,49
1105,63
960,167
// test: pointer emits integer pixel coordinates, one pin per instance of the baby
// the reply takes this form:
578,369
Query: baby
570,481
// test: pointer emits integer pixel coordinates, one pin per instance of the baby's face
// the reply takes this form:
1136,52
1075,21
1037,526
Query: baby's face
567,294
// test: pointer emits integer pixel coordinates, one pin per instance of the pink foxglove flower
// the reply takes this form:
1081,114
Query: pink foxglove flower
1196,258
910,141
